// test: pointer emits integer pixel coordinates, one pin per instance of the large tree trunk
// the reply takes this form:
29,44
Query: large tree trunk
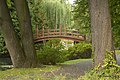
101,29
12,42
26,32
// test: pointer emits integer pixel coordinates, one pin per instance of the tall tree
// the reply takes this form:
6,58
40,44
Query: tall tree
115,14
26,32
101,29
22,51
50,13
82,18
12,42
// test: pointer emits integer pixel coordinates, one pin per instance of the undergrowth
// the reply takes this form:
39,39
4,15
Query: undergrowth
108,71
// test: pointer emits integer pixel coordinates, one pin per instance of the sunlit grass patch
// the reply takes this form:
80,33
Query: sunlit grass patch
75,61
60,77
117,51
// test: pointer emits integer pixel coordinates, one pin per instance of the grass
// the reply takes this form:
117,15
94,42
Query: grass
36,73
75,61
25,72
117,51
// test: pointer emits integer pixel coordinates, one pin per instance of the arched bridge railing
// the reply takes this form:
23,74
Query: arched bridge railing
61,33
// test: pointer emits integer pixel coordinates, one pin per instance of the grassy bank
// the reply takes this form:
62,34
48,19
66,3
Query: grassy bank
34,73
27,73
75,61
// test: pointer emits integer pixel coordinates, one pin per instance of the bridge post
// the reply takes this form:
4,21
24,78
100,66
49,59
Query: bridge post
37,30
60,30
43,31
48,31
65,30
55,29
78,34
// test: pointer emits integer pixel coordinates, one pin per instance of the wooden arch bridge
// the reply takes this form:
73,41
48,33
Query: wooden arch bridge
61,33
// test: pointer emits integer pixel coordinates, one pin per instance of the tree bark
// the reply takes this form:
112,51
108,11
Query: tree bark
26,32
12,42
101,29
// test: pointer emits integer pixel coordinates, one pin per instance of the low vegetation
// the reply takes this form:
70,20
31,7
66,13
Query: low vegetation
53,52
108,71
27,73
117,51
80,50
36,73
70,62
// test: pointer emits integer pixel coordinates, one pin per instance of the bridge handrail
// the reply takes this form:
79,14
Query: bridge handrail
56,32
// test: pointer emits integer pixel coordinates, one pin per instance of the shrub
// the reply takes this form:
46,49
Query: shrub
51,53
80,50
108,71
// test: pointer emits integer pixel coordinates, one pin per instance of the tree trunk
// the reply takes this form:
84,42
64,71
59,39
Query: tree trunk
101,29
12,42
26,32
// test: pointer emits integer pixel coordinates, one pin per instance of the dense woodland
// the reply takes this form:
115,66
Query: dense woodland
98,20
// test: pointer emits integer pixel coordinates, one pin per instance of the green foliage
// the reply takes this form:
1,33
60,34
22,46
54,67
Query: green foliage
108,71
51,53
115,14
3,48
80,50
14,17
49,13
117,51
81,16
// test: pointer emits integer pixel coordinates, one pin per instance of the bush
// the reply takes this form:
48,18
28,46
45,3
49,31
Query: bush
80,50
108,71
51,53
